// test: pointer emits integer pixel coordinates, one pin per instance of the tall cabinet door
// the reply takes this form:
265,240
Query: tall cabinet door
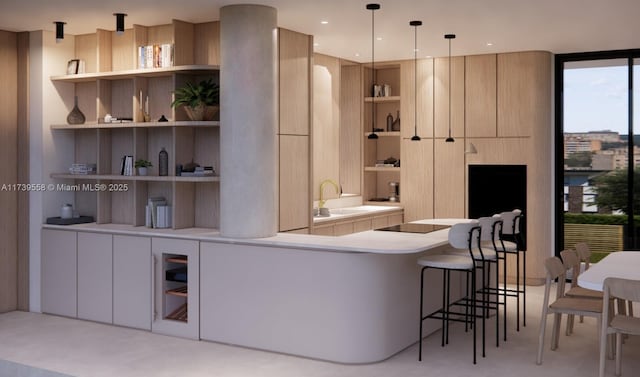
132,264
176,287
95,280
59,279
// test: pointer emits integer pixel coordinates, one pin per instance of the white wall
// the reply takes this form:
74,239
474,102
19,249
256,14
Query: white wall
49,153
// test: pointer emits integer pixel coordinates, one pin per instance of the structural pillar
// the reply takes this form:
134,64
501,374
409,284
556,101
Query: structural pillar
248,121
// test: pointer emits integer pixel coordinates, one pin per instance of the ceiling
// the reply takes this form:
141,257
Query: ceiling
559,26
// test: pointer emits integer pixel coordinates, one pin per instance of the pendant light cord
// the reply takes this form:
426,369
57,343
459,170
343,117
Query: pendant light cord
373,8
449,37
415,25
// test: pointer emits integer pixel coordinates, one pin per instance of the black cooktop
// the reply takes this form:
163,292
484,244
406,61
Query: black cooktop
414,228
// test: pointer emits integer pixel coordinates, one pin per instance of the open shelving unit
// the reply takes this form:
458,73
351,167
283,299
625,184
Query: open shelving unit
114,85
376,178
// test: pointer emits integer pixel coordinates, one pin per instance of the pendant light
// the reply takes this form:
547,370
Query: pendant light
415,25
120,23
449,37
373,7
59,30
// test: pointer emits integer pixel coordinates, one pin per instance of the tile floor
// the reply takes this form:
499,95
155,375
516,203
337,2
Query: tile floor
37,345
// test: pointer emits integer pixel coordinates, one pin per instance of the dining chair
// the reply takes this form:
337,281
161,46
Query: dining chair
572,262
618,323
561,305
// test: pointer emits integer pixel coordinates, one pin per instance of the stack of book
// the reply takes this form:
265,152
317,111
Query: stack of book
155,56
158,213
200,171
126,165
82,169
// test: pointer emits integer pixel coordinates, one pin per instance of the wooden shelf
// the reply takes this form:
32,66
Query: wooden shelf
148,178
180,260
180,314
180,291
384,134
377,169
382,99
94,125
129,74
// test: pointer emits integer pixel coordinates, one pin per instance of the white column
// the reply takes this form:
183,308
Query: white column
248,121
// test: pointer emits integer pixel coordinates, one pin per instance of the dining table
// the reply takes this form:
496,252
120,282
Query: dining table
619,264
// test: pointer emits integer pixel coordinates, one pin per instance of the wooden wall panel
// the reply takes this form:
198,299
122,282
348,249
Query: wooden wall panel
416,187
480,96
123,57
295,74
350,129
441,97
86,49
9,171
183,51
103,50
523,89
424,98
326,123
449,179
23,170
295,203
206,48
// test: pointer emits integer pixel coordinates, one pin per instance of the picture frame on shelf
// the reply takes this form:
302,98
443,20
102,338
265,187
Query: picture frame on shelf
72,66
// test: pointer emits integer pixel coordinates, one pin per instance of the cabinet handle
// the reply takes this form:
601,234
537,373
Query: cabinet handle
154,313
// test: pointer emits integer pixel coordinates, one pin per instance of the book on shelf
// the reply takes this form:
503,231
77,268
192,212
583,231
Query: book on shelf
82,169
152,212
126,165
155,56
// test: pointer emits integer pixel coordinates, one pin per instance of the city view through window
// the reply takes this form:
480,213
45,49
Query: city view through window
596,141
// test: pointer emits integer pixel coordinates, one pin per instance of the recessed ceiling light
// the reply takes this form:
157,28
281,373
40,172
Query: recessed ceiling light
429,56
379,38
324,22
316,44
416,49
357,54
489,43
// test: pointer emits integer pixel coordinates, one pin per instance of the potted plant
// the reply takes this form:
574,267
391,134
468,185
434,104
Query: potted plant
201,101
142,165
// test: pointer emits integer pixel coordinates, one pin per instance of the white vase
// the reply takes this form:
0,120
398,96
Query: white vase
142,171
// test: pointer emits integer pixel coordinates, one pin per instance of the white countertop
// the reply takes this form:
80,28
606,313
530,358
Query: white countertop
372,241
336,214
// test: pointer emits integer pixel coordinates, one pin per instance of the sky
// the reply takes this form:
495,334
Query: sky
596,98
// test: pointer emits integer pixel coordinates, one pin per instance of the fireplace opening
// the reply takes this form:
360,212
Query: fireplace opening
498,188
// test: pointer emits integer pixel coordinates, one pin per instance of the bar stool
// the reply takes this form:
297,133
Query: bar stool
461,236
510,244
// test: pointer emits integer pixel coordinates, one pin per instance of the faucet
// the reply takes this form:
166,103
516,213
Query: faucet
321,201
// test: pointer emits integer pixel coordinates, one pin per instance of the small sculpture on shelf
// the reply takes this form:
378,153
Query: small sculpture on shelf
75,116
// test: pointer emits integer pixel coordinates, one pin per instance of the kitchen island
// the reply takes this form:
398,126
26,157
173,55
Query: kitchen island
348,299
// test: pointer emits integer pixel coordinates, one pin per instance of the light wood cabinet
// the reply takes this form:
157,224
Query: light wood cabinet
95,279
114,85
480,96
360,223
132,264
59,272
295,202
295,66
523,92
